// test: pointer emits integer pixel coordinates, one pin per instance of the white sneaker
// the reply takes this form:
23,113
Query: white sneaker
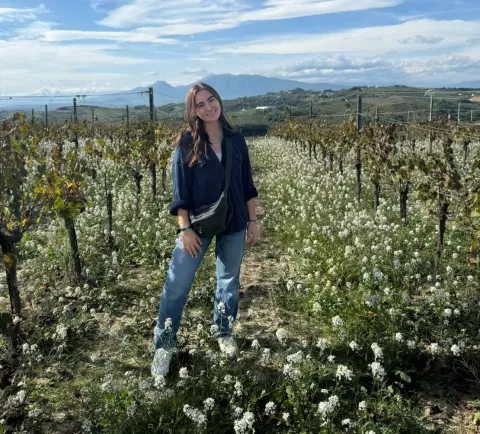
161,361
228,346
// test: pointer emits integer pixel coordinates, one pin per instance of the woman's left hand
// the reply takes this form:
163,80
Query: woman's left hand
253,234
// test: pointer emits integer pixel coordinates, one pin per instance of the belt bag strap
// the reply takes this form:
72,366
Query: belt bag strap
228,144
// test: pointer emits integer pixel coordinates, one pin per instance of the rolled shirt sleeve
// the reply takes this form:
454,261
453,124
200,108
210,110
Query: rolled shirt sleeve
248,187
181,179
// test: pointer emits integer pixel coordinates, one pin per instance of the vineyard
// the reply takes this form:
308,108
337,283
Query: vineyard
359,308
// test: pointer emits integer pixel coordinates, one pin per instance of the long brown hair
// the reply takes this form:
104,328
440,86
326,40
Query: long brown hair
196,126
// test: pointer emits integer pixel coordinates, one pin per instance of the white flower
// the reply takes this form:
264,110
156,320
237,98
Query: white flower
238,411
434,348
183,373
378,371
208,404
131,409
291,372
398,337
61,332
337,322
285,416
87,426
348,423
238,388
316,307
322,343
227,379
362,405
168,324
221,307
331,358
245,424
295,358
455,350
377,351
447,313
282,335
195,415
159,381
343,372
411,345
353,345
270,408
255,344
327,407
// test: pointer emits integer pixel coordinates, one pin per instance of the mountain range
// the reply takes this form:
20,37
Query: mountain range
227,85
468,84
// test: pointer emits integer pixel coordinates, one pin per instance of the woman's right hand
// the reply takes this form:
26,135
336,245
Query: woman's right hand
191,243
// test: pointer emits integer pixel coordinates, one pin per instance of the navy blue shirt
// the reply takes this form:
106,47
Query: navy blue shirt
203,183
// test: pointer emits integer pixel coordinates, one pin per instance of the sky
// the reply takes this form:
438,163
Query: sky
90,46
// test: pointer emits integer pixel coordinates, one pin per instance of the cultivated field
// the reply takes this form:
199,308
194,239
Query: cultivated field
358,310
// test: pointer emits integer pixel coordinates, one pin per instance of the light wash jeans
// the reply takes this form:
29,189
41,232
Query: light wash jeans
229,251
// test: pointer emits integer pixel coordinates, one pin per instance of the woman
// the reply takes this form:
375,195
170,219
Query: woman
198,176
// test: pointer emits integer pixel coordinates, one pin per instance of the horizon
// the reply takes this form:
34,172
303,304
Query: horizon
102,46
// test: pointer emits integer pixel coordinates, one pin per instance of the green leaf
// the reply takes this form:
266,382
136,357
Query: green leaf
59,204
405,377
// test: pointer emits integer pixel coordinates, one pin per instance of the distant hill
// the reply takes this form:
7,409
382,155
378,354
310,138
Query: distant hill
227,85
395,103
468,85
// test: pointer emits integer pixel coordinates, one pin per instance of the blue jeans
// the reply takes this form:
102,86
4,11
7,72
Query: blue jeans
229,251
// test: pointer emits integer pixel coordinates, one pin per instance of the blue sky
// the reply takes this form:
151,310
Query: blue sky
108,45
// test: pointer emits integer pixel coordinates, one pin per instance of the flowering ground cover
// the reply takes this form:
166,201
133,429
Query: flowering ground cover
347,322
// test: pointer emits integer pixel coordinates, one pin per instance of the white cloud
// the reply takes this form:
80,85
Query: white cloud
344,69
89,88
21,14
73,65
381,39
34,30
195,71
187,17
131,36
419,39
170,12
283,9
42,30
203,59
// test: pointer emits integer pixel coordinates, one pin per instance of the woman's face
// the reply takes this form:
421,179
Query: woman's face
207,107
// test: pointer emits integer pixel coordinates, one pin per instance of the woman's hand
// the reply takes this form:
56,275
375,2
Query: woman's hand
191,242
253,234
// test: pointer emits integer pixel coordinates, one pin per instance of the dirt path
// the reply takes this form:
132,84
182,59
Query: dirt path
259,315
